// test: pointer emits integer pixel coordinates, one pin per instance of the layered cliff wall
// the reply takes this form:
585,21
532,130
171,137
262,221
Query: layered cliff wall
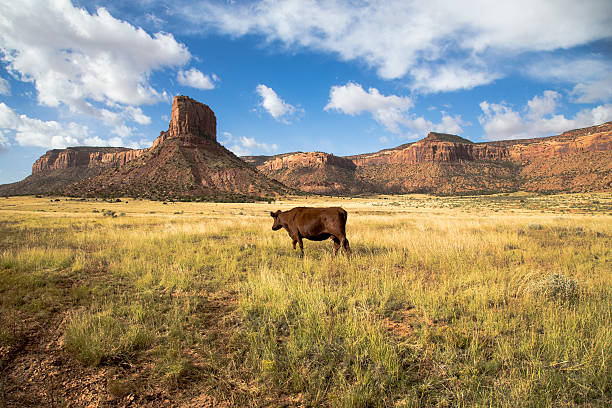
313,172
438,147
576,160
310,159
89,157
191,122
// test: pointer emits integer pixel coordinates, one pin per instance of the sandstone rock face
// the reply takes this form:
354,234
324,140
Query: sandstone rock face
184,161
190,121
312,172
310,159
440,148
577,160
591,139
436,147
84,157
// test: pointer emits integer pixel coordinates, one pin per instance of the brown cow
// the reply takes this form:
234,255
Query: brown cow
315,224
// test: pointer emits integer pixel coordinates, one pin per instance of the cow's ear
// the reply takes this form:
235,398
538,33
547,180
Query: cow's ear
273,214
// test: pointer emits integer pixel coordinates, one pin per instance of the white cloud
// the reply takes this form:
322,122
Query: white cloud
137,115
589,75
446,78
50,134
409,37
122,131
155,20
449,124
84,60
392,111
5,87
501,121
196,79
113,141
275,106
544,105
352,99
4,142
245,146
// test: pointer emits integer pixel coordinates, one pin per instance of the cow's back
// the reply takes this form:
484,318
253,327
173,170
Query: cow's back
315,220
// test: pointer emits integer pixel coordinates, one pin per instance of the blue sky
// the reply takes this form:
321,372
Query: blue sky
338,76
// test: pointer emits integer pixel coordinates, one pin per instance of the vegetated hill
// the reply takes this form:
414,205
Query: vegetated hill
578,160
185,162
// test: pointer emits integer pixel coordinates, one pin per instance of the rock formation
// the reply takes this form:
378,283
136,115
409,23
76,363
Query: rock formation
577,160
187,161
190,121
184,162
102,157
312,172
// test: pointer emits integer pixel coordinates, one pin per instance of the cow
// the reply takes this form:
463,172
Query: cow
315,224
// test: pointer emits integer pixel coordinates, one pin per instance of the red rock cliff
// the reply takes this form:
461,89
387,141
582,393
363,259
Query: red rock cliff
436,147
591,139
84,157
190,122
310,159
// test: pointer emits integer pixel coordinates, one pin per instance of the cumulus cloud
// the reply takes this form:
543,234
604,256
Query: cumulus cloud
49,134
137,115
391,111
4,142
405,38
280,110
245,146
196,79
590,76
543,105
82,60
450,77
5,88
538,118
352,99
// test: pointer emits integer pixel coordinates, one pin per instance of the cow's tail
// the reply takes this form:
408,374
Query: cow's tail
344,241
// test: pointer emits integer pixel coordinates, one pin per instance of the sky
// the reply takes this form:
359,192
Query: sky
340,76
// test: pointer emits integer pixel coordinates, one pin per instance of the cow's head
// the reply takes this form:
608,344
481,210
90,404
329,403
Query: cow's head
277,224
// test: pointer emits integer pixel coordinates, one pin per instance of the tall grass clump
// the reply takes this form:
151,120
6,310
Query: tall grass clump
106,336
309,338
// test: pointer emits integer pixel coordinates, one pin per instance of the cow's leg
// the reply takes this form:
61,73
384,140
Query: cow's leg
299,240
336,245
347,248
294,237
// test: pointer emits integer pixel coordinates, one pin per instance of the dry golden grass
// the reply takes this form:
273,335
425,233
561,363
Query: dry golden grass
501,300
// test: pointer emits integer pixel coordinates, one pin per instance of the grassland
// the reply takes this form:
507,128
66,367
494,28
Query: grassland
499,300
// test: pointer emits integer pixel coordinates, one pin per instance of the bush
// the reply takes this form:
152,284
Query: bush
556,286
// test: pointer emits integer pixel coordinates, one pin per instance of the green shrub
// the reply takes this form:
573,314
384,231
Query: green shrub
556,286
